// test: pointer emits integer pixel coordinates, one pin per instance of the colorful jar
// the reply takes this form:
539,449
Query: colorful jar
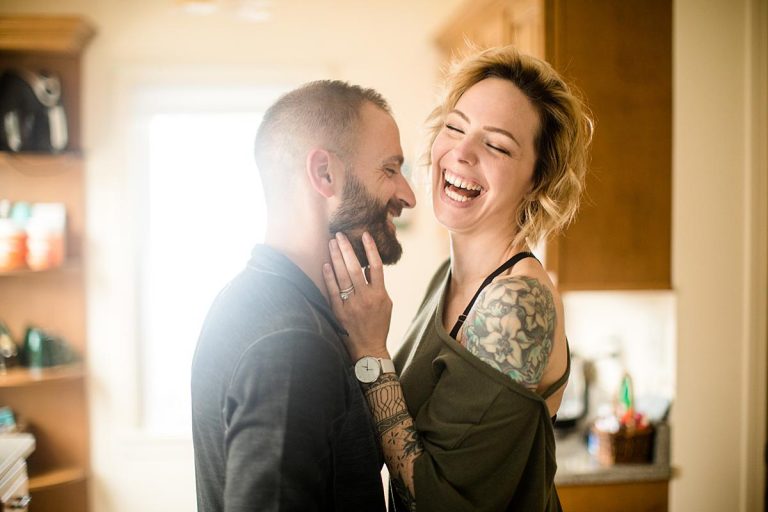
13,246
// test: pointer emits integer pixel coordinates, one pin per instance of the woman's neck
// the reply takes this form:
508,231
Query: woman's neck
474,256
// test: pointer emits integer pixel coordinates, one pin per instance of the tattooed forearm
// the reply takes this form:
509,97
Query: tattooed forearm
511,327
398,438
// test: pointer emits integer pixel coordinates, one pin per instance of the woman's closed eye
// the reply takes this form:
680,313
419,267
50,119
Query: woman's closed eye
453,128
498,149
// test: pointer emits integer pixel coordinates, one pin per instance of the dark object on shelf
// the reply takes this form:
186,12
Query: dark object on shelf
9,352
42,350
31,114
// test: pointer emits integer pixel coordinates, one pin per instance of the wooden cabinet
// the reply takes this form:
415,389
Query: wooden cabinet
619,55
52,401
620,497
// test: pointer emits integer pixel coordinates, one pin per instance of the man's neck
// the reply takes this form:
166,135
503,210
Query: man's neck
306,250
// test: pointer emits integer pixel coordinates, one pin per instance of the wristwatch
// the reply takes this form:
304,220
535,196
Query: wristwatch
368,369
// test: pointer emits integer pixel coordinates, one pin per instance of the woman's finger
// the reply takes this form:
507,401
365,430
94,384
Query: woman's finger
354,270
333,288
375,272
339,266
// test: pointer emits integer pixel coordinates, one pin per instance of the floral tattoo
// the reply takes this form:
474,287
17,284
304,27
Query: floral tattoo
511,327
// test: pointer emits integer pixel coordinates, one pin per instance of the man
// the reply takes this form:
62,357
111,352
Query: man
279,420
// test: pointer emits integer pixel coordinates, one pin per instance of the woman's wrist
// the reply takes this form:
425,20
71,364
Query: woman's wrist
378,354
384,380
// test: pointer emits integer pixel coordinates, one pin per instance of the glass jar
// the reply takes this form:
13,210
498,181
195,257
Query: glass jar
13,246
45,236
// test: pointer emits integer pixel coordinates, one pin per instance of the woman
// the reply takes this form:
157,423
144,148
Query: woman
467,424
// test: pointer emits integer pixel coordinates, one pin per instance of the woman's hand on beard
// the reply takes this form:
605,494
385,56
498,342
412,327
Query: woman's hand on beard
359,300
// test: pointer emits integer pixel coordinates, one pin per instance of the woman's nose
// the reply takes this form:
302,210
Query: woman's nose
465,151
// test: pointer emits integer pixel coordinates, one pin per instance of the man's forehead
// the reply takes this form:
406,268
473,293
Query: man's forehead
397,159
380,136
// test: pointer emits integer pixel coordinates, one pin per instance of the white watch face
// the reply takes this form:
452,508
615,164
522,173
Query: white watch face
367,369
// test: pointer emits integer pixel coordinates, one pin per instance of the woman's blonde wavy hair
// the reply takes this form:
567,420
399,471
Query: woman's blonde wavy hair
561,144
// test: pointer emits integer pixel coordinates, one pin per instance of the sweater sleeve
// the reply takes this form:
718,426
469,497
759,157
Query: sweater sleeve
281,409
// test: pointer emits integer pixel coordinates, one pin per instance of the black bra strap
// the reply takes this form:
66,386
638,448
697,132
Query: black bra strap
511,262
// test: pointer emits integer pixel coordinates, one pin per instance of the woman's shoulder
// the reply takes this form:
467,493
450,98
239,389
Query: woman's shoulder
512,325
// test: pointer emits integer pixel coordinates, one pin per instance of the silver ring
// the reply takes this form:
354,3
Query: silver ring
346,293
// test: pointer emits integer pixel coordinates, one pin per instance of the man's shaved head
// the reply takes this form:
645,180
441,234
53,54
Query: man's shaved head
324,113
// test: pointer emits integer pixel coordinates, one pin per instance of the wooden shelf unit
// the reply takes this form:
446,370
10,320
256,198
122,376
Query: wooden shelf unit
51,401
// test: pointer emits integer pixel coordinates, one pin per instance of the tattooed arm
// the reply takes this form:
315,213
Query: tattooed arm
511,327
398,439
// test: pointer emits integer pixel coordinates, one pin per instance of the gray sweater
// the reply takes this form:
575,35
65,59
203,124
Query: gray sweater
278,419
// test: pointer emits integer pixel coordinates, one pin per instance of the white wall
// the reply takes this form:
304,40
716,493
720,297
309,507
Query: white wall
719,236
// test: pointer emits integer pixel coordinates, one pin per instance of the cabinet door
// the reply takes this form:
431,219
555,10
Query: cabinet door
628,497
619,54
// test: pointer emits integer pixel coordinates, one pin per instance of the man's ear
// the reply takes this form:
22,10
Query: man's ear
322,172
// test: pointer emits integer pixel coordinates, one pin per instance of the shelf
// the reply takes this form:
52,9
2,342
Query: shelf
66,35
55,478
69,266
20,377
36,163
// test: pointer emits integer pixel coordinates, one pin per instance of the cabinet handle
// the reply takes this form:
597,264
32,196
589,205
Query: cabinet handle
19,503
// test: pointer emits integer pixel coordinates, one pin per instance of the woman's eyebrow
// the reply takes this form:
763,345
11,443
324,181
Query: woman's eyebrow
460,114
487,128
501,131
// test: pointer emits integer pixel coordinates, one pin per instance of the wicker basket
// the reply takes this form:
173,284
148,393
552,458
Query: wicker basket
627,446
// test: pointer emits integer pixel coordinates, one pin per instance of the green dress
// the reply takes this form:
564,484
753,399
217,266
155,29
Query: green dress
488,441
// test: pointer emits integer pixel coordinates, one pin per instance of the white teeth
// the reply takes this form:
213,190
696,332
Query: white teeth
456,181
455,195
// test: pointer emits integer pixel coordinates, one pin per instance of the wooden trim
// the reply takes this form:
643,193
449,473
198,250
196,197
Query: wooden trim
566,286
44,34
69,265
35,160
19,377
55,478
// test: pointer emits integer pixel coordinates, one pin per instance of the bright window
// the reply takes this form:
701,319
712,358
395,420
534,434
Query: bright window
204,213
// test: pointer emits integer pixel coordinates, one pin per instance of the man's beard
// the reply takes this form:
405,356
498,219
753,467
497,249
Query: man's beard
359,211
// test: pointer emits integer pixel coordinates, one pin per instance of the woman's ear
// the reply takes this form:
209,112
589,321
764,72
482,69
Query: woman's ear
322,172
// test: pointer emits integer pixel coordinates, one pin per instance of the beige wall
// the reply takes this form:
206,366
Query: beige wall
719,236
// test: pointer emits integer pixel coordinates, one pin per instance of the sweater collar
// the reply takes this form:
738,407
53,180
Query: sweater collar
268,260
